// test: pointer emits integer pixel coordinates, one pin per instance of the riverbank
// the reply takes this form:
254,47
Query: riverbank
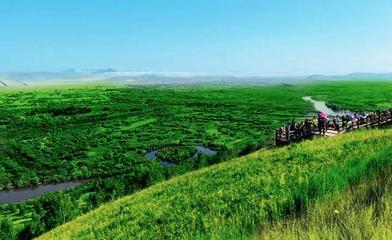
321,106
20,194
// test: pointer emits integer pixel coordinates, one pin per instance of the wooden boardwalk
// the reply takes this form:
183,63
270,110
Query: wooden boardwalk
306,130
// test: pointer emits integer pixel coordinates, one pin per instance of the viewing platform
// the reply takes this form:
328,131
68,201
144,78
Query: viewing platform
304,130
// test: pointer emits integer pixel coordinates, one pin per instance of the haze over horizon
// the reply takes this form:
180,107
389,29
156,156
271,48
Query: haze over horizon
213,37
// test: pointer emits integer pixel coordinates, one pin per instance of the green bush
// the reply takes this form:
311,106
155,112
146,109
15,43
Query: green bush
176,154
6,229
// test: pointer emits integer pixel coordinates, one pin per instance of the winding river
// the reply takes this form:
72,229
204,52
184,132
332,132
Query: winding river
321,106
20,194
16,195
199,150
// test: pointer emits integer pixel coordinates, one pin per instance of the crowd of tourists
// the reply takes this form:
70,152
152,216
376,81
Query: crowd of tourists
321,123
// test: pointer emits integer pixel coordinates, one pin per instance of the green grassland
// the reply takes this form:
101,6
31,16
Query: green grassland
232,199
102,133
56,135
78,133
362,211
358,96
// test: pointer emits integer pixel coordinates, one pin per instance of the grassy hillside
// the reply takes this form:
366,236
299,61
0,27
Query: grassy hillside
362,211
233,199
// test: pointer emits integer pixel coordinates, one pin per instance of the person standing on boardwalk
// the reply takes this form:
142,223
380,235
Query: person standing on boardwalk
322,123
308,128
314,123
293,129
336,122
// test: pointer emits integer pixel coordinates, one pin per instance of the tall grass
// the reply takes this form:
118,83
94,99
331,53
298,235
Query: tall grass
362,211
232,199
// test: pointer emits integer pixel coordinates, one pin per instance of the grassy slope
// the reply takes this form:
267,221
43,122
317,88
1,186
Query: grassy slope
231,199
362,211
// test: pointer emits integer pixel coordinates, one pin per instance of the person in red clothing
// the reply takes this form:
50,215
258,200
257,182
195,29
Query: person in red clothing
322,123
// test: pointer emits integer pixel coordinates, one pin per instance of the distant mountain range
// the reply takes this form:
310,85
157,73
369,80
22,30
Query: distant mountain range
153,78
353,76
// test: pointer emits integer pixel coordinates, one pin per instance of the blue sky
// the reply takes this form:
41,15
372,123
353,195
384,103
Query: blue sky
276,37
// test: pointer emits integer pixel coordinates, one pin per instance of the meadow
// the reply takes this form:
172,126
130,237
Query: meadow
103,133
356,96
232,199
58,135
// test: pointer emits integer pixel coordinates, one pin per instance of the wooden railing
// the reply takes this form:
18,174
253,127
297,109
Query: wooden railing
307,129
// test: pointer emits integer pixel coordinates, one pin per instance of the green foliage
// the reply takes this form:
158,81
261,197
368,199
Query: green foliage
6,229
176,154
50,210
358,96
235,197
56,135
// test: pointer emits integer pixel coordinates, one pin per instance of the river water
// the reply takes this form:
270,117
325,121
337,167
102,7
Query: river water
321,106
20,194
16,195
200,150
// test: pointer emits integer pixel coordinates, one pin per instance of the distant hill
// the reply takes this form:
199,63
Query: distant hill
154,78
231,199
353,76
